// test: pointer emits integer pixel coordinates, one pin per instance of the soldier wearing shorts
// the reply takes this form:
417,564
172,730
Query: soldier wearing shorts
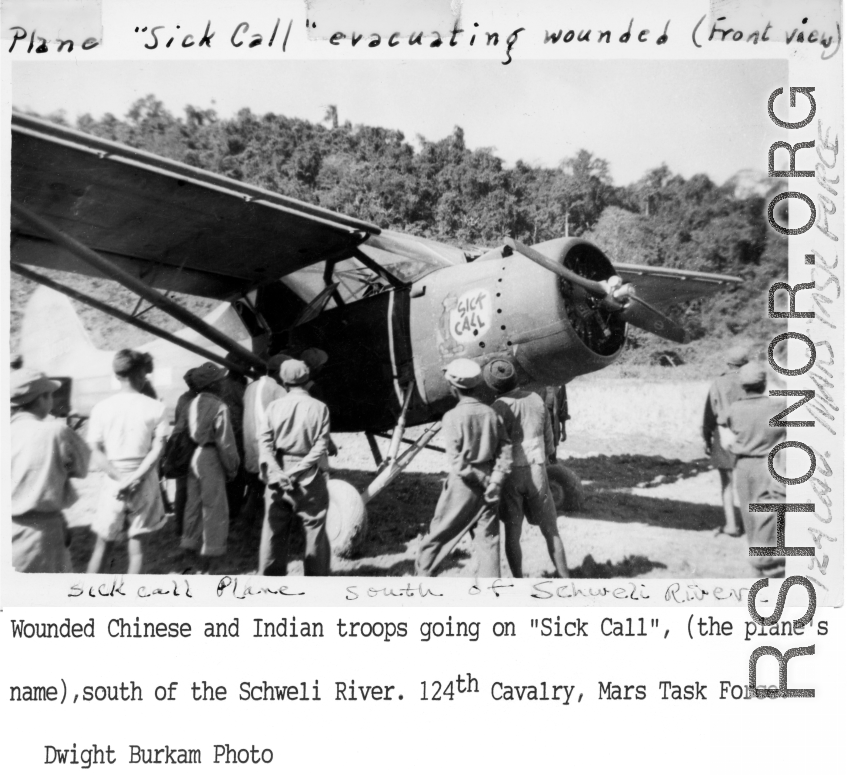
127,433
527,489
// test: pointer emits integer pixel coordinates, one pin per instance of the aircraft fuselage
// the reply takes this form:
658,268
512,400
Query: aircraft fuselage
492,308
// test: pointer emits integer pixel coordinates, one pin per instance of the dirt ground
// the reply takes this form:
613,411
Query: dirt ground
651,509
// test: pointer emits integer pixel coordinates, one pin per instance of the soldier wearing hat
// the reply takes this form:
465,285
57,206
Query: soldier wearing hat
526,489
215,461
292,459
478,460
126,433
753,437
45,455
724,391
315,359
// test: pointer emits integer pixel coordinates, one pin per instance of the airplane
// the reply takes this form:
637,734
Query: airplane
391,310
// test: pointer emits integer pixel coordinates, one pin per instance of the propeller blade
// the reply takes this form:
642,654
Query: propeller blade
592,286
640,314
633,310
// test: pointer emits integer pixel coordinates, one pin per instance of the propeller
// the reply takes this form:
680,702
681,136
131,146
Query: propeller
613,294
640,314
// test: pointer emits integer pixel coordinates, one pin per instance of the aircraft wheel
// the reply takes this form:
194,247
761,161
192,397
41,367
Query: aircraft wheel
346,519
566,489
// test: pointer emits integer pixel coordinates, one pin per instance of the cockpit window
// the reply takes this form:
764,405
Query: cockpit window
407,259
355,281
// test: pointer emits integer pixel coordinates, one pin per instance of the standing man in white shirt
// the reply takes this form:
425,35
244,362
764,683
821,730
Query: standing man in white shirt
126,433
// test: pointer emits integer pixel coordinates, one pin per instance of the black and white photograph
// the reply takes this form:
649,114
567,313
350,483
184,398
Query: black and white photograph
506,331
412,385
345,318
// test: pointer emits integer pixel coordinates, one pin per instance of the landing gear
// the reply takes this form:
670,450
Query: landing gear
347,514
346,519
566,489
396,461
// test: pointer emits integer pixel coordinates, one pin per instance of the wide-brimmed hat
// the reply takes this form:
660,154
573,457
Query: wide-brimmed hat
463,373
28,384
206,375
294,372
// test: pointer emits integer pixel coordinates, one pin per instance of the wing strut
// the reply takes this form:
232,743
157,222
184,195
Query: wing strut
107,268
125,317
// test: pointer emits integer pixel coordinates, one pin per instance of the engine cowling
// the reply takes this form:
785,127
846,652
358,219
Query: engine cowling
509,307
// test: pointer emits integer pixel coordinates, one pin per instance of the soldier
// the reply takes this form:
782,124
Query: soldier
215,461
316,359
478,460
257,397
230,389
526,489
180,425
753,438
45,455
292,460
724,391
556,400
126,433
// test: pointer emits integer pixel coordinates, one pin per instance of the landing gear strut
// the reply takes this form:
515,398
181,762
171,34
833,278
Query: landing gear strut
347,515
396,462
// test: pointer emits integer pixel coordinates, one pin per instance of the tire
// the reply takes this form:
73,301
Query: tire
566,488
346,519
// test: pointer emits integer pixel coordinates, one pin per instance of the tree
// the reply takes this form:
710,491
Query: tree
584,189
331,115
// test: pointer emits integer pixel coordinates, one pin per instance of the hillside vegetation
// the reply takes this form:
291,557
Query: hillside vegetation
449,192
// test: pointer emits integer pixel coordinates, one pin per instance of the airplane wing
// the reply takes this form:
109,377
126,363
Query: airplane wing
180,228
663,287
177,227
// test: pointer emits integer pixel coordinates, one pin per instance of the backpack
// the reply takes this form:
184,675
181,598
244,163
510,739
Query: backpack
179,449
